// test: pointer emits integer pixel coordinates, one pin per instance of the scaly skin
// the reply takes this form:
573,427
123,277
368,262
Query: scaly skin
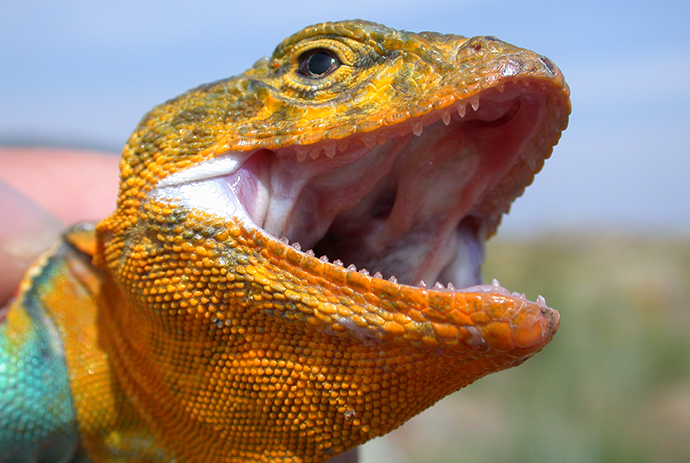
197,336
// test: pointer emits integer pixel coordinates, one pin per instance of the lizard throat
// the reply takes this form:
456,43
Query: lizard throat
410,202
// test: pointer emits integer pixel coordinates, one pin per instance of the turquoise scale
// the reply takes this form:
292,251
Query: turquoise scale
37,418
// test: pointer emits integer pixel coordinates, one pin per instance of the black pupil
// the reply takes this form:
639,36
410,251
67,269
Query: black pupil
318,64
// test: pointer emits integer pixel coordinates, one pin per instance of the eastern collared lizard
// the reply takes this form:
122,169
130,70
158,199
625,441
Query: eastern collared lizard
199,321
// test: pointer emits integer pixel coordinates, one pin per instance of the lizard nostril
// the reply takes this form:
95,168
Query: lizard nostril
549,65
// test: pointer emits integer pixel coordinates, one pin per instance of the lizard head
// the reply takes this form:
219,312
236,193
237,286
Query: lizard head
274,232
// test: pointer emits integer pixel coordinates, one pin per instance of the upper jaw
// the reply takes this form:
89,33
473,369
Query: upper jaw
414,201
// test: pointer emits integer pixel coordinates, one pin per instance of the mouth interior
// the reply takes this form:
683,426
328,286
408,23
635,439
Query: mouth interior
414,201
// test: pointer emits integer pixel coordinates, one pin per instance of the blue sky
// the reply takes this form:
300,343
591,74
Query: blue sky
82,73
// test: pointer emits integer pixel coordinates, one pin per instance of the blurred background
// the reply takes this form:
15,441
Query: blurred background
603,234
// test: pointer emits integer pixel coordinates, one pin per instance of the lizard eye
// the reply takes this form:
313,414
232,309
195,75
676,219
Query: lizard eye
318,63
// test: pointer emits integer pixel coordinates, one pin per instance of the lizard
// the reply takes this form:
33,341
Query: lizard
293,266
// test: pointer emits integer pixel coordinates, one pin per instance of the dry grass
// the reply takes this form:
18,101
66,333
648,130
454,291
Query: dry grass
614,385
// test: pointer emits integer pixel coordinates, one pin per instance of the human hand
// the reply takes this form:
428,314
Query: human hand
42,192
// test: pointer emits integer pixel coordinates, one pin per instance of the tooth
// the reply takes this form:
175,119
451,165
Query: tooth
364,272
378,275
445,117
531,162
369,141
342,146
338,262
439,286
501,88
323,258
314,153
297,246
451,286
461,109
352,268
330,150
284,240
498,289
381,139
526,83
310,253
417,128
421,284
541,302
301,153
393,279
475,103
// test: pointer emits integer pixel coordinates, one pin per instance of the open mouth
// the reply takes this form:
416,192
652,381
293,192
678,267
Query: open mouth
412,202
